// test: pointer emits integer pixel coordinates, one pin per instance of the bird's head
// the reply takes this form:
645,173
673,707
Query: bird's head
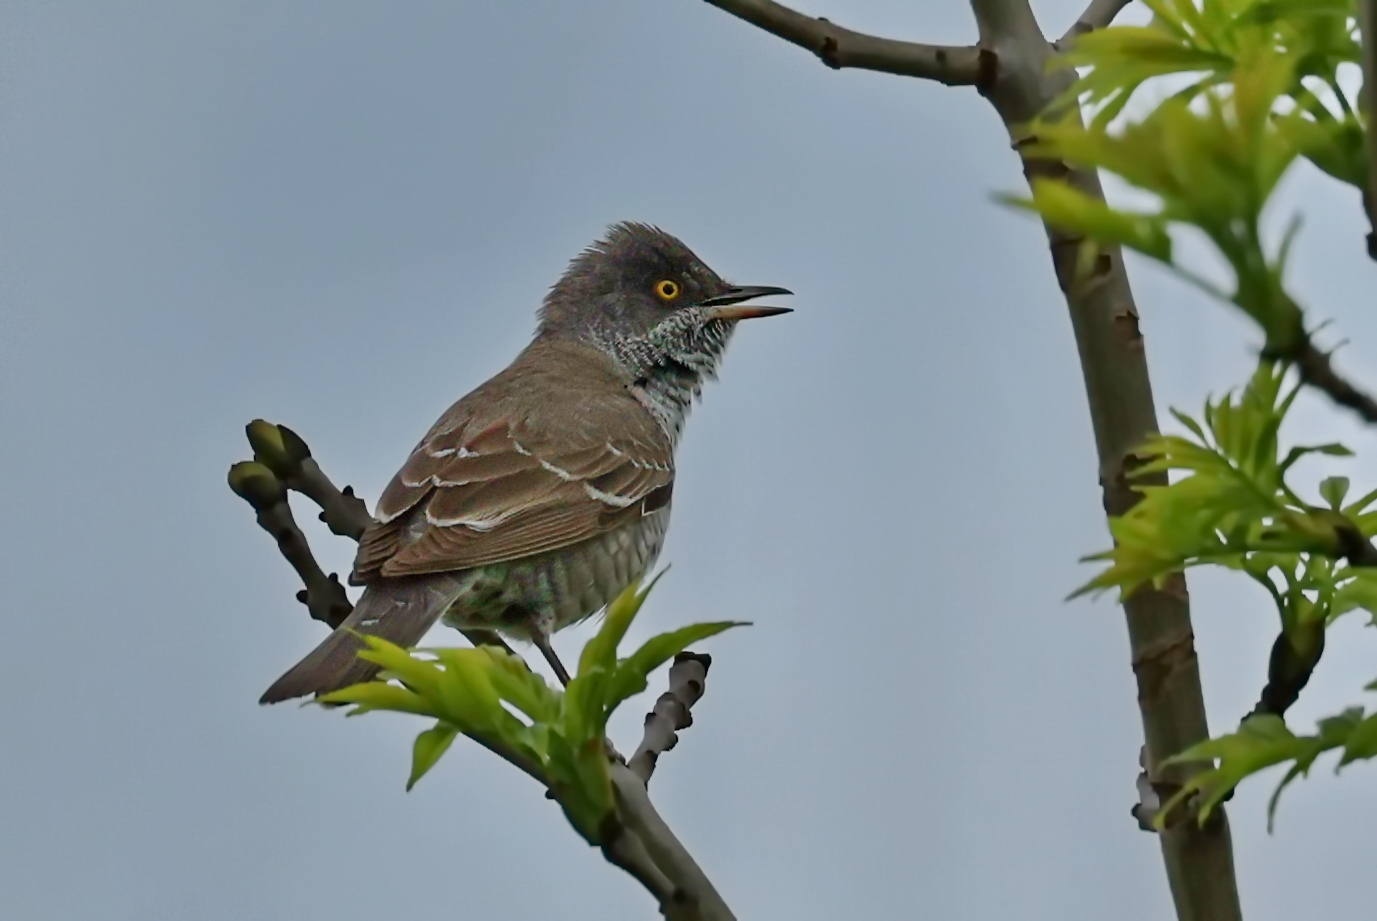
643,297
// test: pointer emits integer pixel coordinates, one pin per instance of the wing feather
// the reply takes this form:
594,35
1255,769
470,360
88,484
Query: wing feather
527,464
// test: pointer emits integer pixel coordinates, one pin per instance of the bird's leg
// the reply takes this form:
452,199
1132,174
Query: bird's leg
480,637
542,642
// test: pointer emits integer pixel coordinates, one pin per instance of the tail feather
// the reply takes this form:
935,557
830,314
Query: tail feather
399,612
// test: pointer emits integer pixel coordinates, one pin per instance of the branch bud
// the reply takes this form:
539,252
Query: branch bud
277,447
256,484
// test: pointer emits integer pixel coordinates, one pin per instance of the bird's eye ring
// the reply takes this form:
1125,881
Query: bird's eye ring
667,289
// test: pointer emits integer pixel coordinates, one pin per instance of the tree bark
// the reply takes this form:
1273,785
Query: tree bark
1012,74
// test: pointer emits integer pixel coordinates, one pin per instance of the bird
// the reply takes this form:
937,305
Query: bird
535,500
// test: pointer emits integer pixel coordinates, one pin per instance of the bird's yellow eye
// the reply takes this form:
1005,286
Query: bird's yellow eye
667,289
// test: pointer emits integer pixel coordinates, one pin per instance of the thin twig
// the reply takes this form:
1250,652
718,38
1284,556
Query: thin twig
838,47
1099,14
343,512
323,596
672,712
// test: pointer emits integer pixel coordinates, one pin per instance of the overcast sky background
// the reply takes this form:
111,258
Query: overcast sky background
342,216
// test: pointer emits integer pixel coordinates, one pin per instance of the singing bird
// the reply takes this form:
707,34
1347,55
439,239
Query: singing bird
536,499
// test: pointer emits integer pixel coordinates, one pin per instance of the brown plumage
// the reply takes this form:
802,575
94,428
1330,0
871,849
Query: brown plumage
538,497
553,451
516,468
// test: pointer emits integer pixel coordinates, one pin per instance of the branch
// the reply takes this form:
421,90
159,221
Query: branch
1099,14
672,712
289,464
1105,322
694,890
1289,667
1315,370
287,455
623,849
838,47
1367,21
323,596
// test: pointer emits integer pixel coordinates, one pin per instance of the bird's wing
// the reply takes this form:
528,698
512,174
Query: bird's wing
527,464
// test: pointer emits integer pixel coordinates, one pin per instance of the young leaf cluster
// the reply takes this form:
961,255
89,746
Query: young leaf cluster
1264,741
1234,508
1250,86
1262,88
558,737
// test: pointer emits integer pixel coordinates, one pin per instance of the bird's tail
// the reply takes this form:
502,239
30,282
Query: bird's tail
398,611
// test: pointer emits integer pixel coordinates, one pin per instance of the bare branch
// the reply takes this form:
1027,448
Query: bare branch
289,463
687,681
343,512
1098,15
1104,319
1316,371
838,47
1367,21
1289,667
673,859
323,596
622,848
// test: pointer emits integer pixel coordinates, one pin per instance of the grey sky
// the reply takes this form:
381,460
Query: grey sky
342,216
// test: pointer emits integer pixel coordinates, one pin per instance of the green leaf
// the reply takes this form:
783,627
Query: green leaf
1067,208
1356,508
465,691
1358,592
1336,147
584,715
515,683
378,695
632,674
601,650
1333,731
579,780
420,675
1333,489
1261,742
1189,423
429,746
1361,743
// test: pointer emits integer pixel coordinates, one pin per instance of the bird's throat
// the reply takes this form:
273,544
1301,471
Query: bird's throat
670,364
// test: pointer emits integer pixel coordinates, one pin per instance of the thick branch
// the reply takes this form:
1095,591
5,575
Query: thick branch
1009,67
624,849
838,47
1367,20
672,712
1098,15
696,891
1104,319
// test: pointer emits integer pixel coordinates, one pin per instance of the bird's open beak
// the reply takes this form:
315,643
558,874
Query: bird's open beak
728,305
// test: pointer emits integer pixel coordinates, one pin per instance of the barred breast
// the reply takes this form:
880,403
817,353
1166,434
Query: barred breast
562,587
